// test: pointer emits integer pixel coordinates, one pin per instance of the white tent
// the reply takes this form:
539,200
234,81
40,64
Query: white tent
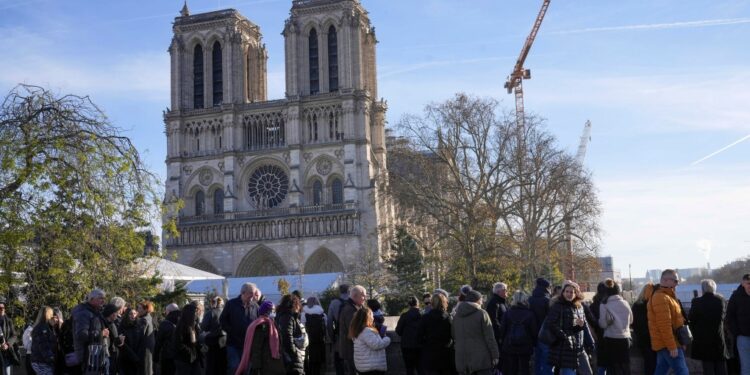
309,285
171,272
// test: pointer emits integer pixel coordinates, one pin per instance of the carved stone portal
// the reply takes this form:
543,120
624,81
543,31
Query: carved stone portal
261,262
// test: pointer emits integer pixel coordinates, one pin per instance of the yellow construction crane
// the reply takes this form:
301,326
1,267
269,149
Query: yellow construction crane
519,73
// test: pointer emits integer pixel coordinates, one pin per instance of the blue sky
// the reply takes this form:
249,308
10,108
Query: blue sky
665,84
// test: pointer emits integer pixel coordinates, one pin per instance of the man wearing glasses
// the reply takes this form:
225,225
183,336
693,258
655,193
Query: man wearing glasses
664,320
738,318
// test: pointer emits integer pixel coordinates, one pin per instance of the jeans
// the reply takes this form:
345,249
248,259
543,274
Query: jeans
541,354
743,348
664,362
234,356
567,371
7,370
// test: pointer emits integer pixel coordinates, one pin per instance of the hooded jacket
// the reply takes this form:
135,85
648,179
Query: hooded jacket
475,343
539,303
738,312
664,317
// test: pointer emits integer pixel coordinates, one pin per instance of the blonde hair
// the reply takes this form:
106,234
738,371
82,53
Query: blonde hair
45,315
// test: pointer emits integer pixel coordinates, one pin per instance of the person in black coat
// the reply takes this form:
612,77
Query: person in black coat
44,342
496,307
539,304
215,338
406,328
164,351
519,331
566,319
237,315
291,333
188,358
707,325
128,358
434,334
738,319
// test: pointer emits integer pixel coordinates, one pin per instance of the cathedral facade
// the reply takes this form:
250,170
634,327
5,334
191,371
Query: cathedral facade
276,187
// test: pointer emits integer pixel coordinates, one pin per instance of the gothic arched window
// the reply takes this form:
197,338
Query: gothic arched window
333,60
337,191
218,201
317,192
200,203
218,85
314,71
198,77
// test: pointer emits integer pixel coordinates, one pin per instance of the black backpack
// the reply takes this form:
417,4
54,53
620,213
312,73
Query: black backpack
518,336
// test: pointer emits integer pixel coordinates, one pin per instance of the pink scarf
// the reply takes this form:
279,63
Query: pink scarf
273,336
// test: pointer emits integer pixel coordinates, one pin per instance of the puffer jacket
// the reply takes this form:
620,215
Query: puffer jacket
664,317
475,343
570,337
369,351
615,317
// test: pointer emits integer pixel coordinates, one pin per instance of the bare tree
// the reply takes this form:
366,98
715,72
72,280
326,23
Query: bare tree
499,202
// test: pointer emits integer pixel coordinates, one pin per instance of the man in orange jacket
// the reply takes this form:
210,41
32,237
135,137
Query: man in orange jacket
664,318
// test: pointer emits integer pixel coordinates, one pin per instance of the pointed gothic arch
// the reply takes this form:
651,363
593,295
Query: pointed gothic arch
323,261
204,265
261,261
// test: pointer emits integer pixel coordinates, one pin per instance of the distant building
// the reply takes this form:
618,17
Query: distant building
684,273
608,271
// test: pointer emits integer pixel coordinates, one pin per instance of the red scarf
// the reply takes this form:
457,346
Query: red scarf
273,336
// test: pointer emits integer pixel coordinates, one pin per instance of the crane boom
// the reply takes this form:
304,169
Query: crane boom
514,82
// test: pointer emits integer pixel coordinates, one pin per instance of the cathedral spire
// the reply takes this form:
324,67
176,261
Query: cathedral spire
185,11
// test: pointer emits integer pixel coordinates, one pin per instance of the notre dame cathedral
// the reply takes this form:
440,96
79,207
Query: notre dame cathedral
273,187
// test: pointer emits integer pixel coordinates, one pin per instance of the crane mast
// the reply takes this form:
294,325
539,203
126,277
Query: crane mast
580,155
515,79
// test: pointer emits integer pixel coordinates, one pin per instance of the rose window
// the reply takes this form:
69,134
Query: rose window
268,186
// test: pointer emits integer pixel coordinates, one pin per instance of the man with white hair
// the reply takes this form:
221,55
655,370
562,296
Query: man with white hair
497,306
707,325
89,326
357,297
237,315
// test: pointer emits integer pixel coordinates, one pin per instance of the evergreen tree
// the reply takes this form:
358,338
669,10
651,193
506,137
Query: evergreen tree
406,263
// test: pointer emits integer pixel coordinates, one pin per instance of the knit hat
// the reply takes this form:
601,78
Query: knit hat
465,290
542,283
109,309
443,292
265,308
473,296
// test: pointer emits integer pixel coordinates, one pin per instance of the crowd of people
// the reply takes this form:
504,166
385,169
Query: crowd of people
552,331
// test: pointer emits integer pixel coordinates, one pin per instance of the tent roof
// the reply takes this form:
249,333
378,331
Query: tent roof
312,284
169,270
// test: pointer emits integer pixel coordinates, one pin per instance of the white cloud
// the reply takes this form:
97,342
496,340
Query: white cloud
36,61
657,220
658,26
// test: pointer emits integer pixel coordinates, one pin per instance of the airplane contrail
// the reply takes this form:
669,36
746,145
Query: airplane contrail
720,150
672,25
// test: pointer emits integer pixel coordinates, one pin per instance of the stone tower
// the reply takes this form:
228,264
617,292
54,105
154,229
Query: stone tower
282,186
